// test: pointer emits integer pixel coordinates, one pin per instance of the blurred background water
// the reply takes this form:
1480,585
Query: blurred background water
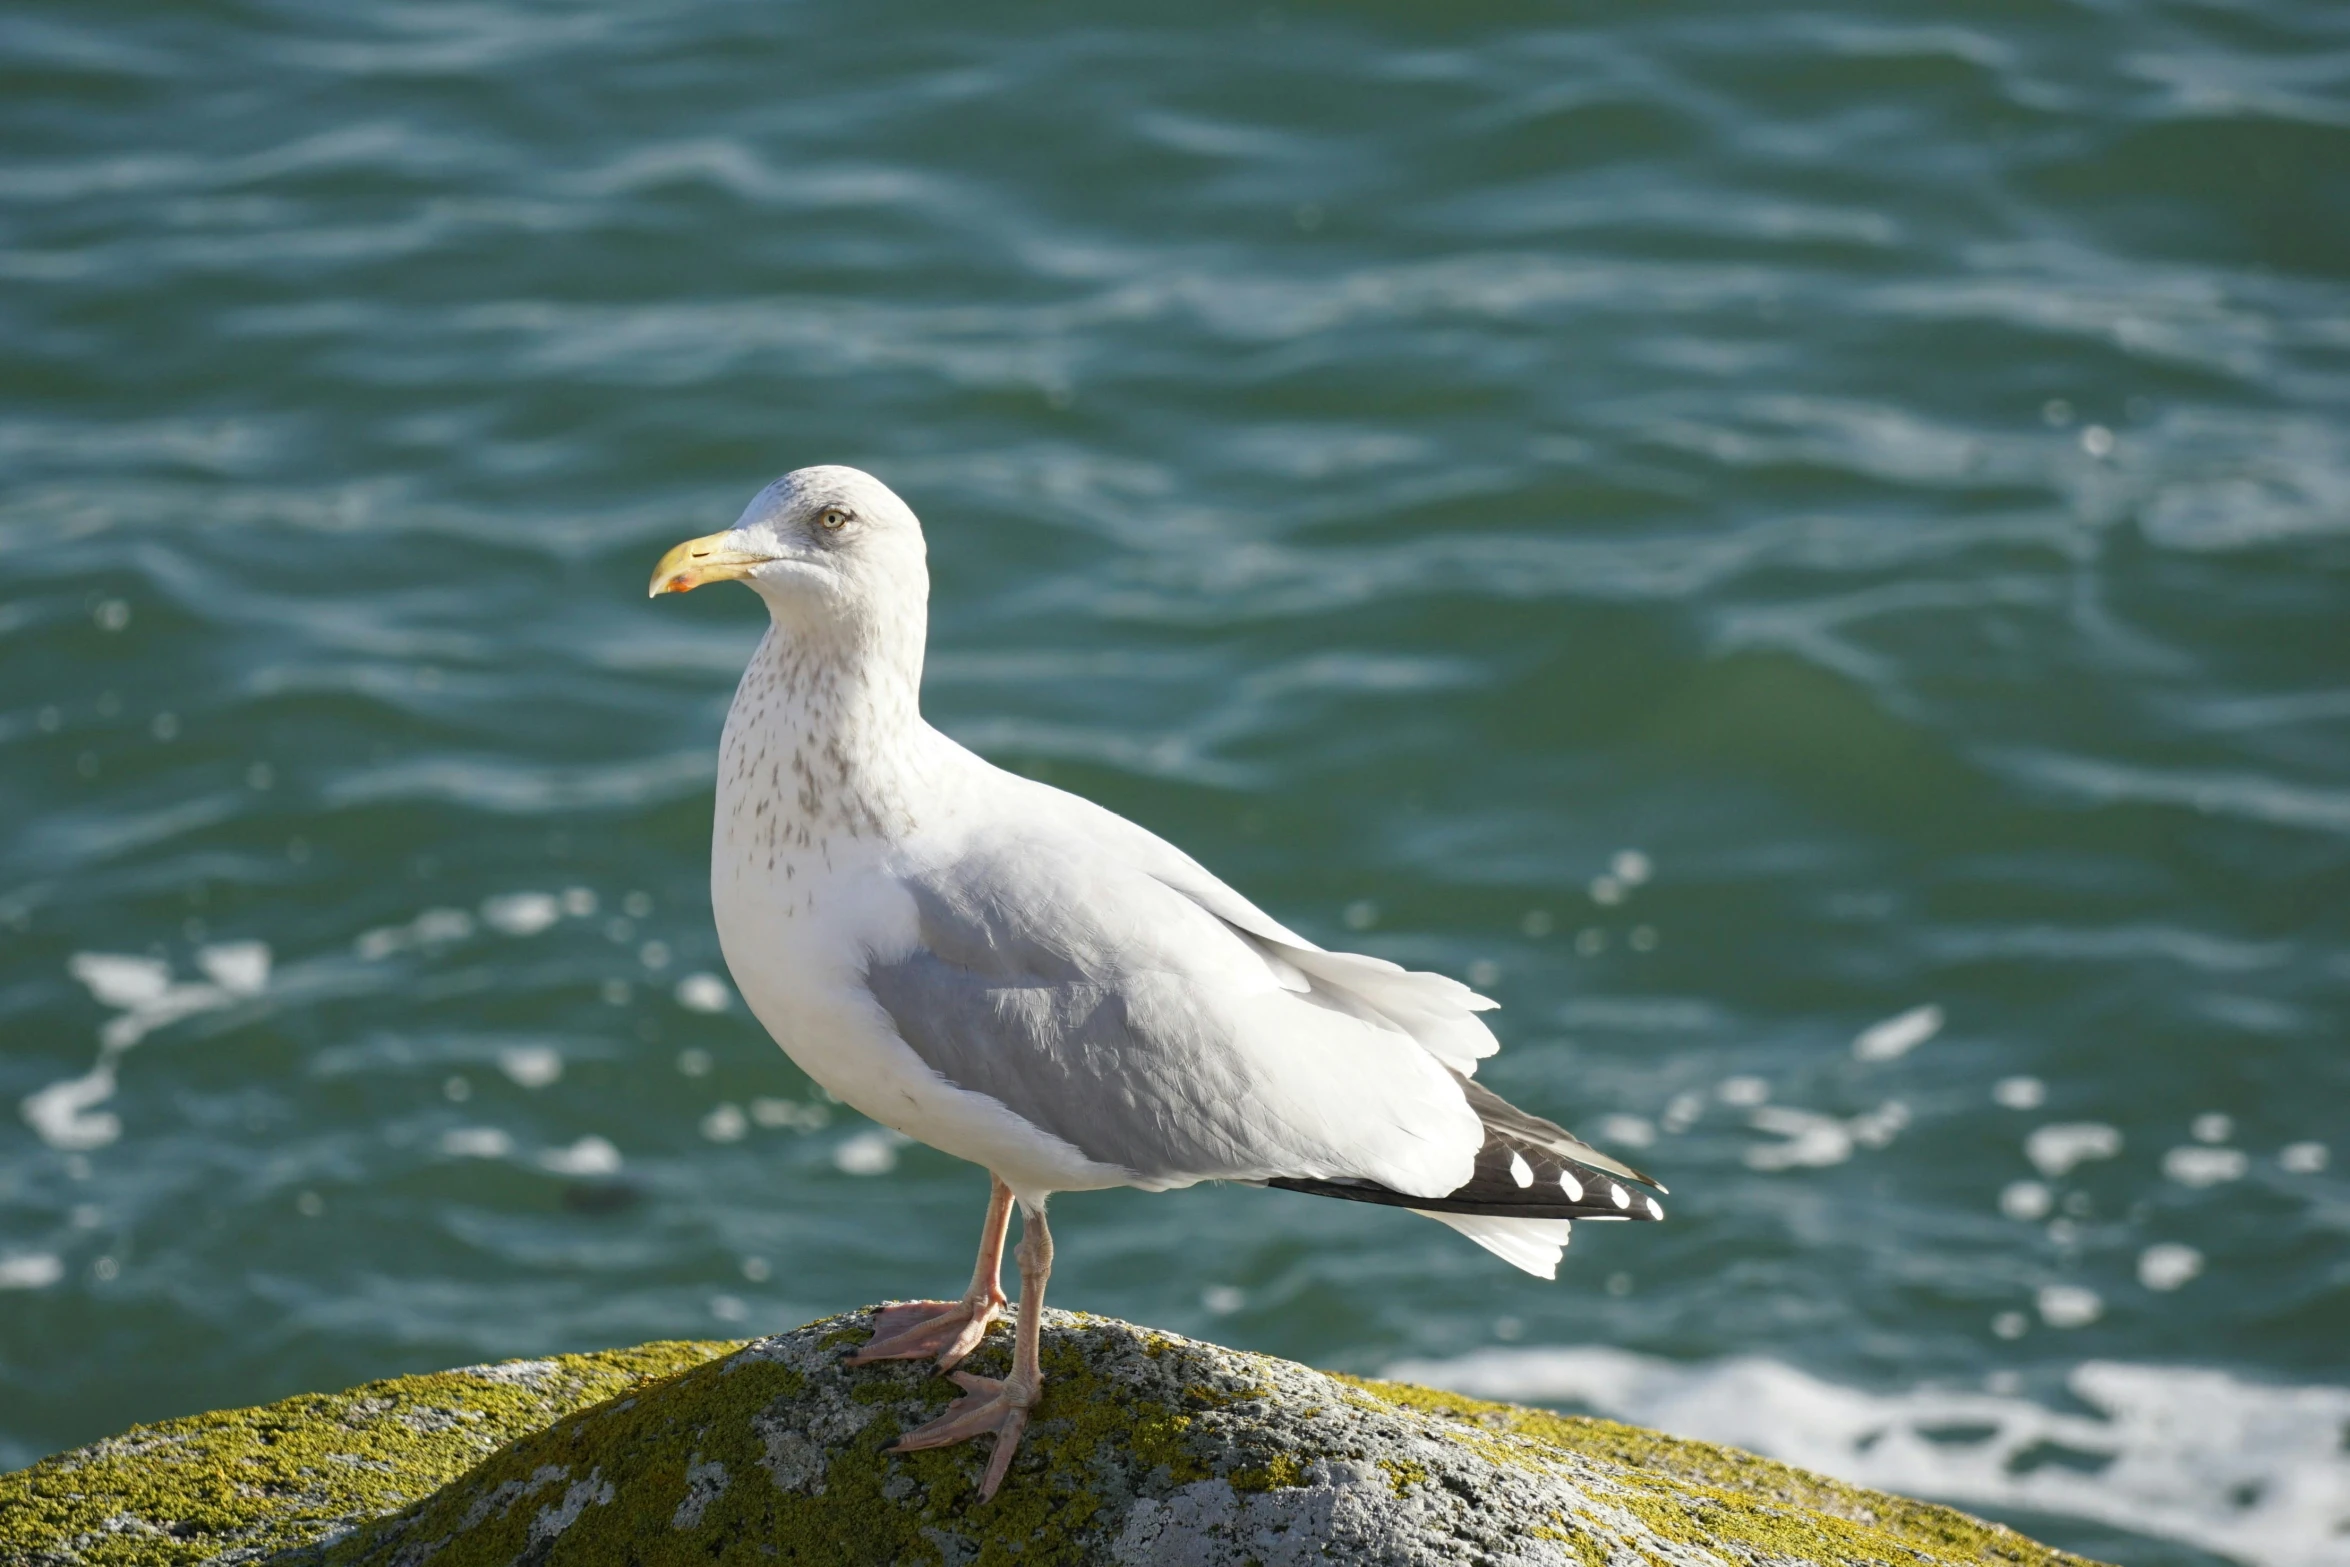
1806,550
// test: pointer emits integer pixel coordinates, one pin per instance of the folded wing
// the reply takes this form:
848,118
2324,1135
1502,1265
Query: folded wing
1439,1012
1108,1008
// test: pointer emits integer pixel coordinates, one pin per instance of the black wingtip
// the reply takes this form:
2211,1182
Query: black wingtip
1480,1198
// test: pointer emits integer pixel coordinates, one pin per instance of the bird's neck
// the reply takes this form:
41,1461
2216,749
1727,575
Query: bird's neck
826,737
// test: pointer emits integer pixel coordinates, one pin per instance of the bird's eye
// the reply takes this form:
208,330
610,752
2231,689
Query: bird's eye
833,517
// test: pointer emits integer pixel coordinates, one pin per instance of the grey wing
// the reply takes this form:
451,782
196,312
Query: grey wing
1110,1010
1060,1051
1439,1012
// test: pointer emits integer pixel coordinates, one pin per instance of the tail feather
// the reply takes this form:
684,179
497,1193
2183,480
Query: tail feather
1531,1244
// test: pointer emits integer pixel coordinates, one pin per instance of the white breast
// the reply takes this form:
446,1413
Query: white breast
803,894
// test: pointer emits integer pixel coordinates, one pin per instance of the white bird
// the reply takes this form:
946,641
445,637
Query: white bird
1023,979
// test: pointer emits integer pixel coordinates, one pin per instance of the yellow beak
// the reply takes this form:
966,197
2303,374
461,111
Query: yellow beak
696,561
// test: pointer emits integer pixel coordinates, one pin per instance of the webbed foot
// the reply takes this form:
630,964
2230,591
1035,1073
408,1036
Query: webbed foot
986,1405
944,1330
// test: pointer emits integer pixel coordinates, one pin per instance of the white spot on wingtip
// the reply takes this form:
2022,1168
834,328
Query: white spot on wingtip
1572,1187
1520,1171
1617,1195
1656,1210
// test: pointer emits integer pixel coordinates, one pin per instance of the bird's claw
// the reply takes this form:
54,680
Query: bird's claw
946,1330
986,1405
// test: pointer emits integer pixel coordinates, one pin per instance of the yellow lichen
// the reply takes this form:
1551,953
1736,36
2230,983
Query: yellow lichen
1403,1473
1280,1470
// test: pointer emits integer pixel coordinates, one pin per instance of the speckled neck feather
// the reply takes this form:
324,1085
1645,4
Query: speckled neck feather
825,739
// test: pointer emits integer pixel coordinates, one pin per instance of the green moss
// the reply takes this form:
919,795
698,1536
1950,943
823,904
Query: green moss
873,1506
626,1469
779,1454
1080,1411
262,1479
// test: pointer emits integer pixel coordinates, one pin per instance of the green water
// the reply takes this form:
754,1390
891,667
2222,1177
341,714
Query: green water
1879,471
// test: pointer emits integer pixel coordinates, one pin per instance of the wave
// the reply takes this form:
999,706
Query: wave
2257,1472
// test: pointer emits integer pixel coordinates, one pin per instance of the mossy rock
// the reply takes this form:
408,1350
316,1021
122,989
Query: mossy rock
1147,1449
239,1485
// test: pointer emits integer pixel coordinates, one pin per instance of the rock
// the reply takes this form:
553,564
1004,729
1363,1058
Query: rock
1147,1449
239,1485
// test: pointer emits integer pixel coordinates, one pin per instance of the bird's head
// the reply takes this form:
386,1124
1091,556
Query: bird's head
822,546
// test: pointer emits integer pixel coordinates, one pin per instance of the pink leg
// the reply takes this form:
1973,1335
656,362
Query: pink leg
987,1404
948,1329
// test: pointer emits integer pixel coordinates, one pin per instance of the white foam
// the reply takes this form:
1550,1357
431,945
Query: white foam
65,1114
2056,1148
2020,1093
2193,1164
239,967
1627,1131
442,925
1897,1036
870,1152
120,980
1877,1128
373,946
522,913
2168,1264
2026,1201
2248,1470
591,1155
176,1002
1743,1091
30,1270
726,1123
790,1112
2068,1305
704,993
531,1066
1813,1141
476,1142
2303,1158
433,925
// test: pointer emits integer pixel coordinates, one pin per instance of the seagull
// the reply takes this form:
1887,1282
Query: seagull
1024,979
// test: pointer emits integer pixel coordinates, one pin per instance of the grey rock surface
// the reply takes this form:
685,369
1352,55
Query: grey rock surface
1148,1449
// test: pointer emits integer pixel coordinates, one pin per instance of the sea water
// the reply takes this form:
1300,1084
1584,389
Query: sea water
1804,550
